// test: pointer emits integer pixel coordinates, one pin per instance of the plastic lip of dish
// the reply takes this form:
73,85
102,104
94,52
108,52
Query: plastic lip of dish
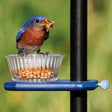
34,67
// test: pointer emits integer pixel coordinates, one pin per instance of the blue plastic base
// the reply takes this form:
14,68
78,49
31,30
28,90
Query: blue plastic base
59,85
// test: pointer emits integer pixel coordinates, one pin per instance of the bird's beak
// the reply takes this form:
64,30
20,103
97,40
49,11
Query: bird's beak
48,24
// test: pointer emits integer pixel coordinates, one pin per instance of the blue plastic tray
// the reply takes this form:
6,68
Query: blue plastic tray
59,85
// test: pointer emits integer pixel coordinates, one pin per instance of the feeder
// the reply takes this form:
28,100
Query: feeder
78,85
34,67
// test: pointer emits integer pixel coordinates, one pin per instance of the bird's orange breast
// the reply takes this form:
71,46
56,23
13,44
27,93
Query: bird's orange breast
32,37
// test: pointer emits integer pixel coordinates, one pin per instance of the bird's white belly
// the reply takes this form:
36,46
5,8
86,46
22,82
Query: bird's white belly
29,49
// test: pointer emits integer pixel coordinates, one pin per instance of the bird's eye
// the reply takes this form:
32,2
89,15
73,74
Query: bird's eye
37,20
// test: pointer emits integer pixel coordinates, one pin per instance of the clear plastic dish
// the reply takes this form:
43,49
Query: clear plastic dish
34,67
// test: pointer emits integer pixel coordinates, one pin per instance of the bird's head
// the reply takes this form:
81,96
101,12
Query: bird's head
39,22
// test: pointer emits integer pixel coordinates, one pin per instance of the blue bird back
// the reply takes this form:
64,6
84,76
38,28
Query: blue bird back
27,25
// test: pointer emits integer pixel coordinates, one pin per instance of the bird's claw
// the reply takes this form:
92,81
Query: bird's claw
45,53
22,52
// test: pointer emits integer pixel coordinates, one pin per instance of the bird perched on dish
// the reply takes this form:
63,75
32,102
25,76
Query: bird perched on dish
32,34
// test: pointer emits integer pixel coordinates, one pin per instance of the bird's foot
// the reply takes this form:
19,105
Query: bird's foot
45,53
21,51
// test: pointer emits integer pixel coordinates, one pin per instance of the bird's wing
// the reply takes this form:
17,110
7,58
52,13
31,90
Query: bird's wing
47,35
19,34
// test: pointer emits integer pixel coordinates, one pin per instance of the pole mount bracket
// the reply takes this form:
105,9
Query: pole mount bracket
59,85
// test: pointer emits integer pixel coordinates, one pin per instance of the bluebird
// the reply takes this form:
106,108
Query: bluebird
32,34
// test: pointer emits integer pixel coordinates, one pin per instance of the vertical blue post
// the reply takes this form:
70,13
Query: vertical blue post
78,52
